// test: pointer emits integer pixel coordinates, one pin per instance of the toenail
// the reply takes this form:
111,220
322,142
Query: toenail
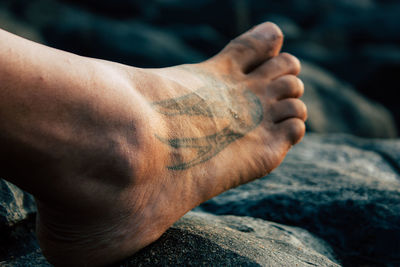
268,29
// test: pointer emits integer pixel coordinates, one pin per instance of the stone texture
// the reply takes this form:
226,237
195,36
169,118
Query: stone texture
198,239
17,214
33,259
208,240
19,246
343,189
15,205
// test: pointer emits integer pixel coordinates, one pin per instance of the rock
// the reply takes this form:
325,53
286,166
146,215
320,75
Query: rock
207,240
15,204
197,239
343,189
334,106
33,259
19,246
17,215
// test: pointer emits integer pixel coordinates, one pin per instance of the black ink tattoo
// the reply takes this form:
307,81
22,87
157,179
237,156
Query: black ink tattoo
206,147
203,102
222,103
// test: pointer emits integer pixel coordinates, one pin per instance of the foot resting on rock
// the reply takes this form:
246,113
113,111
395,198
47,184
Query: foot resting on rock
114,155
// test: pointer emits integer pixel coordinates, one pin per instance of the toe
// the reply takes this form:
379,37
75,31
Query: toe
253,47
287,86
280,65
292,130
288,108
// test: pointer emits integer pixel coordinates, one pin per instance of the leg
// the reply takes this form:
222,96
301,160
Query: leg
114,155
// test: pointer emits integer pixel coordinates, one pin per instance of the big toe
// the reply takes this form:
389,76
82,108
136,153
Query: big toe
253,47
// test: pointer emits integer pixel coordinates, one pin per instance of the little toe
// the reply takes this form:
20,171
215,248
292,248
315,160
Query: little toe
283,64
287,86
253,47
288,108
292,130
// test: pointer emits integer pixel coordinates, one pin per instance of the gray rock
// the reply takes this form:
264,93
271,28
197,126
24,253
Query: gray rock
32,259
19,246
15,205
198,239
335,107
17,215
208,240
343,189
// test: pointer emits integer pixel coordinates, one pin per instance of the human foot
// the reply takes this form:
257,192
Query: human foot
174,139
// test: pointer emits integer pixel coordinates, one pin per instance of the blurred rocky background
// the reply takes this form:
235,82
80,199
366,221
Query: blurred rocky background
336,198
350,48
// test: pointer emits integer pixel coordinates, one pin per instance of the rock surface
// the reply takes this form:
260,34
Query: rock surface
340,194
200,239
343,189
15,205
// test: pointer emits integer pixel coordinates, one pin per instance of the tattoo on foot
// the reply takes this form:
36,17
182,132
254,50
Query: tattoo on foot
244,113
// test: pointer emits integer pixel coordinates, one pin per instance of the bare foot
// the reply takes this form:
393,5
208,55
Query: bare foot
151,144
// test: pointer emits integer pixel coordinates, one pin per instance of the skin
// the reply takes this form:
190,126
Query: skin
114,155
